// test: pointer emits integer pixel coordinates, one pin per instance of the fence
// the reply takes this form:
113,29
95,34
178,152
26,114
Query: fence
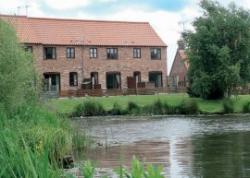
111,92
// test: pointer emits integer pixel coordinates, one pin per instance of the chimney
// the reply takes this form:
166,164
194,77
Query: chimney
181,44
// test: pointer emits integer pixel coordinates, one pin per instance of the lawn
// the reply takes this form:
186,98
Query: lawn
67,105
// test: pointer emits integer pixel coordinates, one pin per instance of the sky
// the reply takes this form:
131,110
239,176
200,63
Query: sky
168,17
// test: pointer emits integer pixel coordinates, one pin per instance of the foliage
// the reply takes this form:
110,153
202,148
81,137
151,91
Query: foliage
117,110
81,141
32,142
17,74
89,108
88,170
137,170
218,50
246,107
165,106
154,172
228,106
188,107
133,108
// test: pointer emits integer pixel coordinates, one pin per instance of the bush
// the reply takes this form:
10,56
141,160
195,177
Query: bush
246,107
117,110
228,106
17,73
133,108
187,107
158,107
89,108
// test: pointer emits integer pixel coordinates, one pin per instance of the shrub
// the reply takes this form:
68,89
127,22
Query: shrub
246,107
117,110
133,108
228,106
17,73
89,108
158,107
187,107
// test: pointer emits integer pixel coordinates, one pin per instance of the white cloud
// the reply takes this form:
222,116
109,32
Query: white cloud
10,6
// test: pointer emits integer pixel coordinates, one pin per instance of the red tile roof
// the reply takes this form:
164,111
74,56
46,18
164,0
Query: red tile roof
83,32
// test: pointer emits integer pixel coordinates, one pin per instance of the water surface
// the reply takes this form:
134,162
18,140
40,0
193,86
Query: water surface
187,147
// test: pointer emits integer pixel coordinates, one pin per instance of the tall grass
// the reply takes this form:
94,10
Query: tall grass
32,143
159,107
89,108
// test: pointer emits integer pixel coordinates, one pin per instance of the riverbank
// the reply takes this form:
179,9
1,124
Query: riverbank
67,106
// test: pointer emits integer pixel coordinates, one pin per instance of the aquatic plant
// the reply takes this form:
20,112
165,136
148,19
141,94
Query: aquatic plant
154,171
88,170
137,170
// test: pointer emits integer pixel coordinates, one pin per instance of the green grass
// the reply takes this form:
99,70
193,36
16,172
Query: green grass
67,105
32,141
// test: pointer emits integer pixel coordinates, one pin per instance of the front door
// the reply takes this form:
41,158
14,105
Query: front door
156,78
113,80
52,82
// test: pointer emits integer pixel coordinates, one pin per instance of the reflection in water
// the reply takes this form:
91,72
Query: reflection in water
208,147
222,155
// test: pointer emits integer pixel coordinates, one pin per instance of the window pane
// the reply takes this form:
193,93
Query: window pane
73,79
156,53
112,53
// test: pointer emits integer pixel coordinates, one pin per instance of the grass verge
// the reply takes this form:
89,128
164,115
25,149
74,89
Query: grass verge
119,104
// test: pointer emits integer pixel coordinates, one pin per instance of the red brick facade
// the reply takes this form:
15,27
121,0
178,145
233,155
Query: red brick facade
41,33
84,65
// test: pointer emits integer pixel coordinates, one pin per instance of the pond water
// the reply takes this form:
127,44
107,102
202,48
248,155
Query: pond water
187,147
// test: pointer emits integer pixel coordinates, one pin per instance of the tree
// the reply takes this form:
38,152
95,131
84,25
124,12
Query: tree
218,50
17,74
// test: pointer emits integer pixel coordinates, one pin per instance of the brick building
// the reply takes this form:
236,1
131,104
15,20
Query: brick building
178,73
71,54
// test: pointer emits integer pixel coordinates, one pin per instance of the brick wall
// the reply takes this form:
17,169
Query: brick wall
125,64
178,68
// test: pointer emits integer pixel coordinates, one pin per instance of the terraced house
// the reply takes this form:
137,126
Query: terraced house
73,54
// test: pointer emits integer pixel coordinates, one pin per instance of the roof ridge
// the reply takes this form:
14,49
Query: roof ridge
72,19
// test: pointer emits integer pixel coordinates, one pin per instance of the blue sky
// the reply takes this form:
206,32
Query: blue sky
166,16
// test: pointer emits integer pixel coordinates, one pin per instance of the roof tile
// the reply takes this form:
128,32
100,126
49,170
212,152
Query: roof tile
83,32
